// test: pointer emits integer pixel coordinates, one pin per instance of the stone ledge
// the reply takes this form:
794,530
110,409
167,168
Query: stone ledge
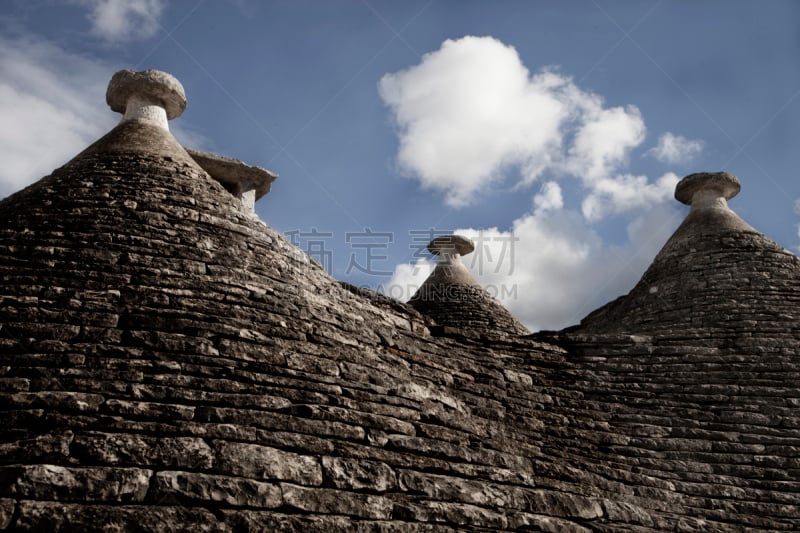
248,183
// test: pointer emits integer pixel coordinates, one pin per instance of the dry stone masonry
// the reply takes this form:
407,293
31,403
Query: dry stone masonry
169,363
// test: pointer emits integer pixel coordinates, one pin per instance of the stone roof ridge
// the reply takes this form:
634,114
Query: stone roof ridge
454,299
715,271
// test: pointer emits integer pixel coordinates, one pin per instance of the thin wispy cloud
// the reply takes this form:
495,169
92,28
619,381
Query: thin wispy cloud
675,149
49,104
123,20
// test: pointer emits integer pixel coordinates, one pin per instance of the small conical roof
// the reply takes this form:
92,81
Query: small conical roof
454,299
716,271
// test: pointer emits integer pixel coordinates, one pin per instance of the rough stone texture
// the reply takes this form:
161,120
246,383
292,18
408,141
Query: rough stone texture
169,363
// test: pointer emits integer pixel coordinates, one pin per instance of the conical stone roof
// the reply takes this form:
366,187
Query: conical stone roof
455,300
716,272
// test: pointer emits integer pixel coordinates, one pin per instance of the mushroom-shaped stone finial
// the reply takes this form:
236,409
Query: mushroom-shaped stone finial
146,94
706,189
450,247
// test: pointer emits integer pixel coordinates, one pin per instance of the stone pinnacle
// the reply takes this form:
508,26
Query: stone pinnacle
705,189
150,95
448,245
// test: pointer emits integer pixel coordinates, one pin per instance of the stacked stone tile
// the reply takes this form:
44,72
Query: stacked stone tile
169,363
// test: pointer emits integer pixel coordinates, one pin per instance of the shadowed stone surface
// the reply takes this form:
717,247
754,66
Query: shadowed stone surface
167,362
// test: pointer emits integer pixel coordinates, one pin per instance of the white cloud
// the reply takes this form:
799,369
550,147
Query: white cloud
674,149
797,211
603,141
552,268
407,278
52,104
471,110
123,20
626,193
549,197
468,111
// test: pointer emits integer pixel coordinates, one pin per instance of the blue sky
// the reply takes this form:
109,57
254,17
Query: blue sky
552,132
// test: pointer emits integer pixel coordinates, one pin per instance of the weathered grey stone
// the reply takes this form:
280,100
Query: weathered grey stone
41,446
462,515
150,410
56,516
537,522
453,489
77,401
262,462
451,244
326,501
455,301
89,484
191,487
724,184
128,450
247,520
358,474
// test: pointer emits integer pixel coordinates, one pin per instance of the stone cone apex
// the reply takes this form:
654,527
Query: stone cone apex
149,99
715,272
455,300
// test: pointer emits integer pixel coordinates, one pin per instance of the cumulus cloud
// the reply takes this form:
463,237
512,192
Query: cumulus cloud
469,113
674,149
626,193
603,141
471,110
123,20
52,104
549,198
